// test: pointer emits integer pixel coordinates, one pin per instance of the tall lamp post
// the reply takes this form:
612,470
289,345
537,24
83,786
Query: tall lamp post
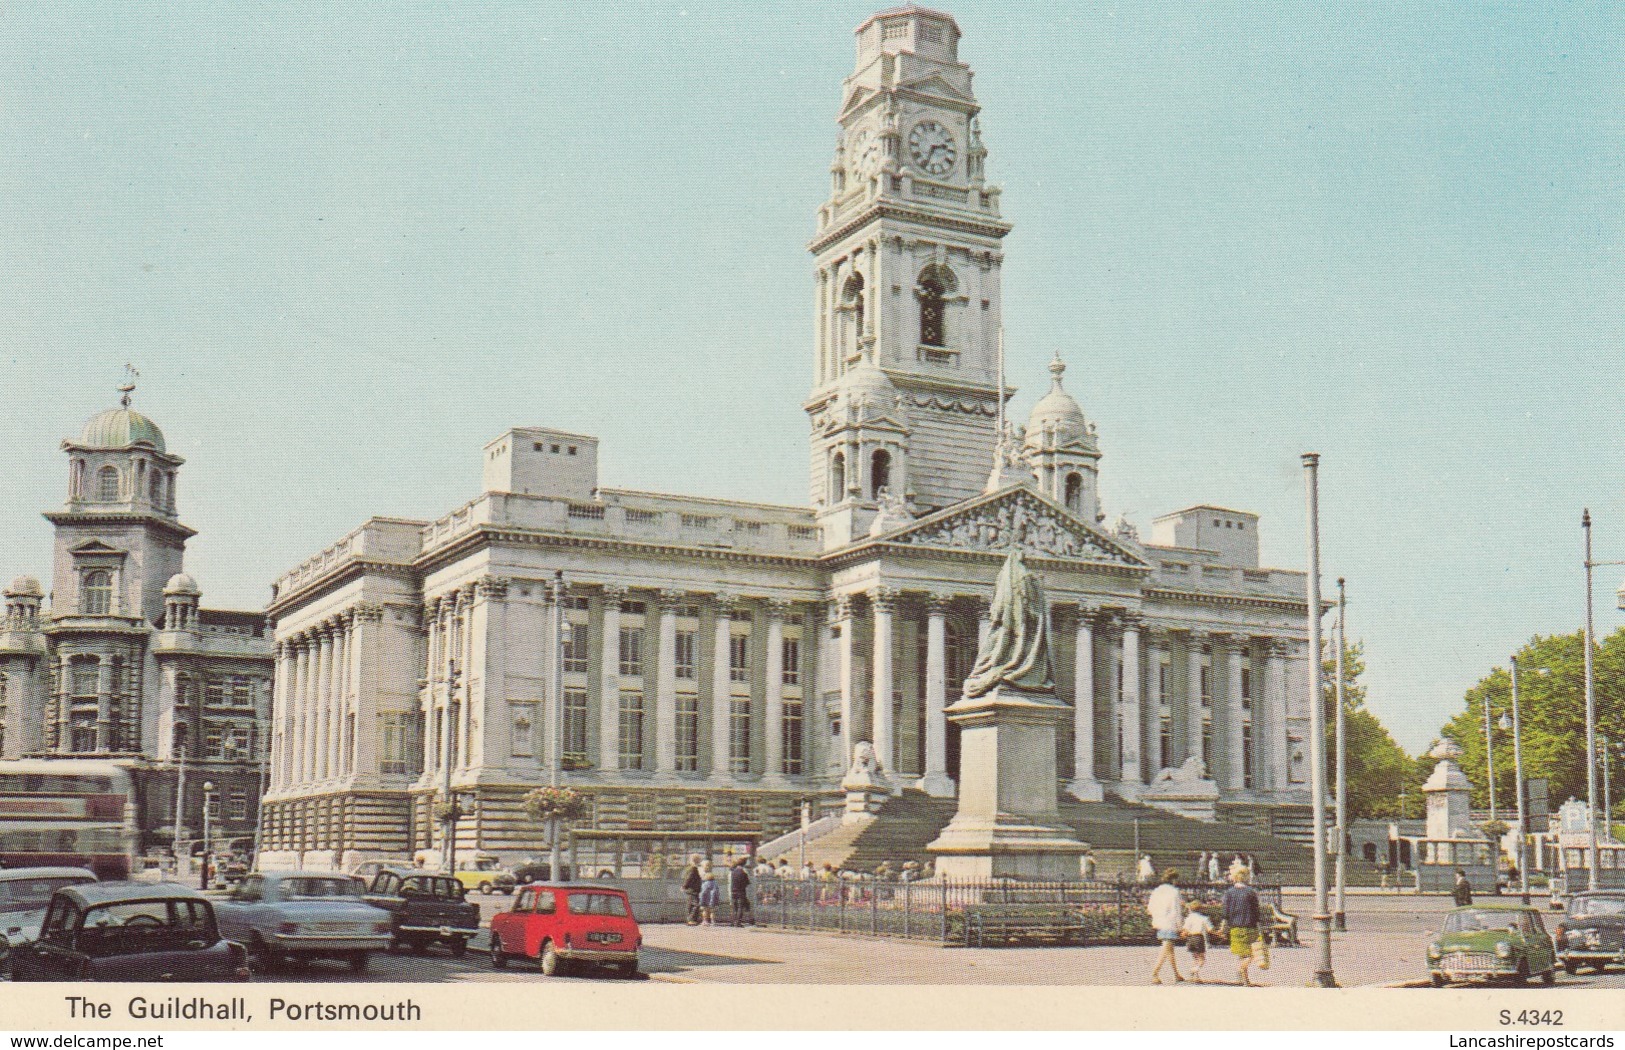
177,746
1317,729
1591,710
448,823
208,853
555,722
1517,779
1489,760
1341,914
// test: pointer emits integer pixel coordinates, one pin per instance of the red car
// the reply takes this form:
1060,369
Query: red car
564,925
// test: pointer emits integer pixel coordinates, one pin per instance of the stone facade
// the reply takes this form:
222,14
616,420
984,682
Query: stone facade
722,661
122,663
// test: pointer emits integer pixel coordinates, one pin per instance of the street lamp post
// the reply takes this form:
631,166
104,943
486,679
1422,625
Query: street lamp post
1517,779
178,747
1607,796
1489,756
208,853
1317,729
448,824
1591,714
556,723
1340,912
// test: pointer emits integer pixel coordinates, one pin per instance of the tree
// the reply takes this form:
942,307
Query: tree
1383,780
1551,704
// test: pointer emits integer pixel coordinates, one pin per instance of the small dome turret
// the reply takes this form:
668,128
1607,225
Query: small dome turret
121,428
180,584
1057,412
25,587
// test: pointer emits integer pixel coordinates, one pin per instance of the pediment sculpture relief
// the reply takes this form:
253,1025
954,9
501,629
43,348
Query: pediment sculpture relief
1022,521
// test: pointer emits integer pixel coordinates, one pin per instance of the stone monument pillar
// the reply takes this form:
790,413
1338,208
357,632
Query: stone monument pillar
1448,796
1008,822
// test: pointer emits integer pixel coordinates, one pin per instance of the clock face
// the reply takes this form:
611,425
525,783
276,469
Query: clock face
866,154
932,148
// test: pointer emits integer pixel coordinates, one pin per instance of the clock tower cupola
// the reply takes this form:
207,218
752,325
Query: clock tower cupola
908,254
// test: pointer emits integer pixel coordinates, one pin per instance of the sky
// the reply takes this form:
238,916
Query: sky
347,245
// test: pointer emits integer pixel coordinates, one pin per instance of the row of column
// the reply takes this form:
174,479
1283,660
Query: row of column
316,732
117,703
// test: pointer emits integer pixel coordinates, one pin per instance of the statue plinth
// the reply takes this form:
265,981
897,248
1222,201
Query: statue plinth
1008,823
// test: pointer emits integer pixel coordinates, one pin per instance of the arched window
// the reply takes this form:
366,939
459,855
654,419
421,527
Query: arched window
155,489
879,472
97,597
852,299
931,311
837,477
1074,493
107,484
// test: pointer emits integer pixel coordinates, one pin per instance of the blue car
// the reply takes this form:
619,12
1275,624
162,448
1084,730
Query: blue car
130,931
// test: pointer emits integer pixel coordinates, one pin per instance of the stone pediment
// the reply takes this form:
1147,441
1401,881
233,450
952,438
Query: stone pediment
95,547
991,523
936,85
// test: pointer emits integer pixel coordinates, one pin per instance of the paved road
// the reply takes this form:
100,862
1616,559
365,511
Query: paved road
1383,945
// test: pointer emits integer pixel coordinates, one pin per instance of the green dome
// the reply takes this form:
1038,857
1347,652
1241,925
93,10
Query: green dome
121,428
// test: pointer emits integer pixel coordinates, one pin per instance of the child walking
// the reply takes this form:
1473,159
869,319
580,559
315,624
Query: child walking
1195,929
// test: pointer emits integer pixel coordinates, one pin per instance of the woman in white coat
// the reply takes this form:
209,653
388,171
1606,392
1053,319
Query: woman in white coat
1167,910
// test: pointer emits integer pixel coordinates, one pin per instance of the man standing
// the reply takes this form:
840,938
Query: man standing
1463,890
739,893
691,889
1241,919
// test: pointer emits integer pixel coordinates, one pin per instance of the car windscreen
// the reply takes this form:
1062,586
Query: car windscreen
303,889
597,904
34,894
1589,906
1474,921
133,927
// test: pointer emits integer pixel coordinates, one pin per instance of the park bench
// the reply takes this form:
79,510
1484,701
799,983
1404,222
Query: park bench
1010,923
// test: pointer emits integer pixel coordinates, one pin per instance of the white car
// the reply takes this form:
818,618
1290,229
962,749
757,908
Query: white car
24,895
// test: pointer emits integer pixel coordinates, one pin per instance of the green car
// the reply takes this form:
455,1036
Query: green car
1489,941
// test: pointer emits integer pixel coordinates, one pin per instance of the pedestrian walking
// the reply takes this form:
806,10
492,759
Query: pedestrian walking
1213,873
1196,928
808,872
1462,891
1166,909
1087,865
691,884
1147,872
1201,865
763,868
739,894
710,894
1241,920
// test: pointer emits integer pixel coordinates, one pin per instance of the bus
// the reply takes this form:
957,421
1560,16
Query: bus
77,813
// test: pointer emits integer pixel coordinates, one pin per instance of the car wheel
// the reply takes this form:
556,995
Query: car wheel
1549,978
627,970
499,958
420,947
1523,972
358,962
458,946
485,888
550,960
261,957
397,946
1436,979
1571,968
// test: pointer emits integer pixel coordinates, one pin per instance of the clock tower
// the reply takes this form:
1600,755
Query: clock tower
908,254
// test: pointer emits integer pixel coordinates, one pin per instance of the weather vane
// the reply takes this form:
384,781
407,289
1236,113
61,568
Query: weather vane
128,386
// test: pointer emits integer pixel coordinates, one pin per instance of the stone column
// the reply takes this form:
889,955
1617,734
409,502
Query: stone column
846,619
609,681
1235,770
306,729
1152,723
773,729
1129,707
104,704
463,698
1193,696
1275,746
721,686
936,781
323,694
666,684
364,648
1084,786
338,701
884,602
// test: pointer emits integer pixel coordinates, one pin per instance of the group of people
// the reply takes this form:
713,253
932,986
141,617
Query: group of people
702,885
1208,866
1176,919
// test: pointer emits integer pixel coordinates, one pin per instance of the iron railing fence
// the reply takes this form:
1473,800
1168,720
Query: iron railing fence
948,910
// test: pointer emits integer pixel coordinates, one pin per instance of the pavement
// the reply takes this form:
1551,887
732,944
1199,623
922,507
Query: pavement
1383,946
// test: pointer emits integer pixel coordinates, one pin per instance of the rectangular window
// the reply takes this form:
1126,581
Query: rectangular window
792,661
242,691
84,679
575,648
685,652
1247,754
792,737
1207,744
631,756
632,652
640,812
214,692
1162,678
750,810
696,813
238,805
1207,685
575,725
214,743
237,743
739,734
739,658
1165,740
688,733
392,757
521,730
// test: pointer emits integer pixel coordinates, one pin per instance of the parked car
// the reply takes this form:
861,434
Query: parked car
425,909
25,893
486,875
368,870
1486,942
299,916
1592,931
130,931
562,925
539,871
